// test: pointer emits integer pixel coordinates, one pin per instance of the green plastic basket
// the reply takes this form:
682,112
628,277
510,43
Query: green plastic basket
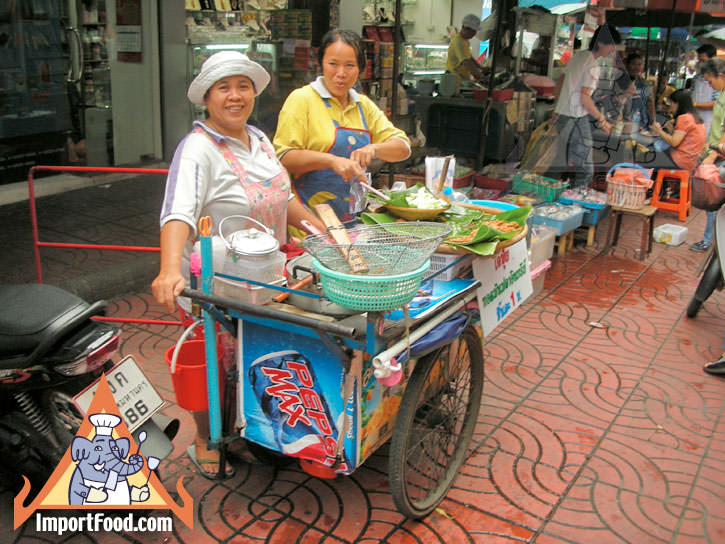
370,293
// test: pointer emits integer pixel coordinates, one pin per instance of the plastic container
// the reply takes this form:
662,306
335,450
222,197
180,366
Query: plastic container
246,292
499,184
542,245
538,276
546,188
455,196
370,293
189,377
265,270
672,235
561,226
439,261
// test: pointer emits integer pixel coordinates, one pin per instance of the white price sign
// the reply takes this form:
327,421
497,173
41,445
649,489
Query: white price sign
505,284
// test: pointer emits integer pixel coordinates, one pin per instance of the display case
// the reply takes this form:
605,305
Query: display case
424,61
95,84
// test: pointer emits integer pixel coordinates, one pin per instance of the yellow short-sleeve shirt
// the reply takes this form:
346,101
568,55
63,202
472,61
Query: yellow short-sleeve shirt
306,123
458,51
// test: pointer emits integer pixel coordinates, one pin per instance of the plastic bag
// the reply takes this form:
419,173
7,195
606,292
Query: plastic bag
541,151
708,190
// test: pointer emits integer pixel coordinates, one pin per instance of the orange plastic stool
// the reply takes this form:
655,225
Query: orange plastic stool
681,205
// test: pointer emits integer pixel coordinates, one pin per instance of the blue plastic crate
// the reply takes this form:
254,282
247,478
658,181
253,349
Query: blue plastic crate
561,226
593,212
592,217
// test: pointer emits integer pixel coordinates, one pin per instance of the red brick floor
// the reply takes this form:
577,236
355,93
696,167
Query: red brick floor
585,434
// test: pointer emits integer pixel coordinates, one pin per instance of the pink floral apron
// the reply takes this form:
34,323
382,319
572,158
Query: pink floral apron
267,199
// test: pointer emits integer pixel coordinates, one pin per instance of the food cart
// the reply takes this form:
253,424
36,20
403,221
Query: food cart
406,365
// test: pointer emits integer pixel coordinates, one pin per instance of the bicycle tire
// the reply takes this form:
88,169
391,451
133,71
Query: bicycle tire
430,415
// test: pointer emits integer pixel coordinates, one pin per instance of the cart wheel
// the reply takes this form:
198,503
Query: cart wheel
435,423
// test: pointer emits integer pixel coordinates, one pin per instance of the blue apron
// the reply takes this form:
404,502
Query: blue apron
326,186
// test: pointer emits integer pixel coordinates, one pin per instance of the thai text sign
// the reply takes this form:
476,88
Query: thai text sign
505,284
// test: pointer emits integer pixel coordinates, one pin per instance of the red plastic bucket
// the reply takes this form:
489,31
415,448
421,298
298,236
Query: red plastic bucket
189,379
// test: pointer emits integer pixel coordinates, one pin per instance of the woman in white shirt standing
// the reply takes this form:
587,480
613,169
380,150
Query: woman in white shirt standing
574,107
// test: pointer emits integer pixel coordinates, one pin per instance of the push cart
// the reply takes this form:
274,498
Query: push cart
307,386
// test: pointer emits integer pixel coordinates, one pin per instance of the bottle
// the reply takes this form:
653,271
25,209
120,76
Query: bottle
636,118
455,196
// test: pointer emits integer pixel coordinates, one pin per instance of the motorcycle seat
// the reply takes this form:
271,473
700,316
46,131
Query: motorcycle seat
34,314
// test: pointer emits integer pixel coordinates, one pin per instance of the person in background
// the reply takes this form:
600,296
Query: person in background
713,71
574,107
703,95
328,133
663,91
222,167
460,61
687,139
642,103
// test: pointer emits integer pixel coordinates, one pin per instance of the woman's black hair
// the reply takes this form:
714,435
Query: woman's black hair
604,35
683,99
347,37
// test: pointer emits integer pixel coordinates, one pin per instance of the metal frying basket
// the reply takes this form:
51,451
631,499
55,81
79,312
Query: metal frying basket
388,249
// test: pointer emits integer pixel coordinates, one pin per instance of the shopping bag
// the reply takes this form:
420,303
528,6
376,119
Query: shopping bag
541,151
708,190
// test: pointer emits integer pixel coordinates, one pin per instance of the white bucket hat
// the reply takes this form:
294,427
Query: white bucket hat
472,21
225,64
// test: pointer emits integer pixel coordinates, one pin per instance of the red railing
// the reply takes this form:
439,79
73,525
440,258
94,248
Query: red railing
37,244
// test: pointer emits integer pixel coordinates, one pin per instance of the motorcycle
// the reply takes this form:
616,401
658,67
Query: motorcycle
712,277
50,352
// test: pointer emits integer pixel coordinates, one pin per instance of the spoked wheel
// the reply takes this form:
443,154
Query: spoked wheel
435,423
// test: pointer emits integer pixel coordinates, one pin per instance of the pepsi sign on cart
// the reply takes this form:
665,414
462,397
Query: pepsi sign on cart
505,284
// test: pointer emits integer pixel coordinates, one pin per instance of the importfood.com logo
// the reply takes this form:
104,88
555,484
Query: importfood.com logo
103,469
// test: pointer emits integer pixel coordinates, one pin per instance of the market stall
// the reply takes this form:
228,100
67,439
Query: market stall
399,359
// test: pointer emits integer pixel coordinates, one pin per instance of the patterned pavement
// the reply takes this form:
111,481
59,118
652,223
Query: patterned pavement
585,434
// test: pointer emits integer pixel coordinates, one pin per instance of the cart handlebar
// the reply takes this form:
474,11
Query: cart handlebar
270,313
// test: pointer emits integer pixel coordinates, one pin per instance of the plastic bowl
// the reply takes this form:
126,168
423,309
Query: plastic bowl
503,206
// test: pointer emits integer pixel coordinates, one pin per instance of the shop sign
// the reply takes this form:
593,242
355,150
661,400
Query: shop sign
505,284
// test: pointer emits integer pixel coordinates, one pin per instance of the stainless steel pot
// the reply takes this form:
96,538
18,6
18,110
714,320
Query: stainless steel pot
300,267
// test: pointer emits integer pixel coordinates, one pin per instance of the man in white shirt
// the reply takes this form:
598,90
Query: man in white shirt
574,106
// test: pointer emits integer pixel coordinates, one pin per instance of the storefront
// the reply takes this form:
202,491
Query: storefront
78,78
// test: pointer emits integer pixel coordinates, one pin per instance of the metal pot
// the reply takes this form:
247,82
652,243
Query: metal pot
300,267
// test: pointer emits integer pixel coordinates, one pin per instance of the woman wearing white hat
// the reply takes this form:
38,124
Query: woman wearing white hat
222,167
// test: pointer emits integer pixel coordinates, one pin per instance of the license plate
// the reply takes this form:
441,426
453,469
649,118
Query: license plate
136,398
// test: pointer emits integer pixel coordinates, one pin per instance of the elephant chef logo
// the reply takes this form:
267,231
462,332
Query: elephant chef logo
104,469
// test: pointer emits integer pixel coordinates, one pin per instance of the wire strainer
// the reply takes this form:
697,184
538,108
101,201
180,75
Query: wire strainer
388,249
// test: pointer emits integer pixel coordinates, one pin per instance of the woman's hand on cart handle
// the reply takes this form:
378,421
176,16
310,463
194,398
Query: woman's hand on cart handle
166,287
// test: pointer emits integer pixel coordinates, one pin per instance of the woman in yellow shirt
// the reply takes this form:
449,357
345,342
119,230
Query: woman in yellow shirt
328,133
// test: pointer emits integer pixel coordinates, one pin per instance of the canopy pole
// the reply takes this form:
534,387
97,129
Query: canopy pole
646,52
667,47
493,47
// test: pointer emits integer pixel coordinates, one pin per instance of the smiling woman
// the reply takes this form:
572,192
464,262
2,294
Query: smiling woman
223,167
